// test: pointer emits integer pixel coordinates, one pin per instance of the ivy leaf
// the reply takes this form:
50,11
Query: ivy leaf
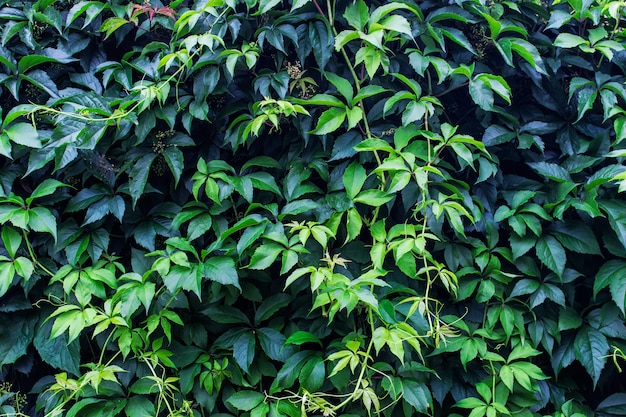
17,334
23,134
271,305
357,14
245,400
244,350
591,348
353,179
42,220
175,161
613,275
342,85
267,5
272,342
299,3
374,198
46,188
12,240
222,269
577,237
585,97
551,253
321,40
139,406
313,374
417,395
138,176
301,337
568,40
56,351
265,255
7,273
329,121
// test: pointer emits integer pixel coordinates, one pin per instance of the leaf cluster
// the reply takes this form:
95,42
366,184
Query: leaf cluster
304,207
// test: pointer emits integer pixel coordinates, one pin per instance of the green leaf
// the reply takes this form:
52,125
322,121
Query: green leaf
12,240
267,5
299,3
322,42
138,176
175,161
17,332
329,121
341,84
357,14
24,267
298,207
313,374
265,255
111,25
353,179
567,40
91,9
222,269
373,198
56,351
23,134
27,62
614,404
586,97
481,94
551,254
417,395
42,220
245,400
367,92
5,145
591,348
244,350
7,273
613,275
272,342
569,319
577,237
301,337
521,245
552,171
47,187
271,305
139,406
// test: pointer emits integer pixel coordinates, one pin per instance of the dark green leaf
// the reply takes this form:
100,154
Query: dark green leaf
246,400
551,254
591,348
18,331
313,374
271,305
244,349
577,237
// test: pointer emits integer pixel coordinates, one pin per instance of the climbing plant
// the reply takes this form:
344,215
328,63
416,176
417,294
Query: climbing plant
306,207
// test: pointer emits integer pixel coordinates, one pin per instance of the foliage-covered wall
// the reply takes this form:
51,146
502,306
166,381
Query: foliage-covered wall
312,207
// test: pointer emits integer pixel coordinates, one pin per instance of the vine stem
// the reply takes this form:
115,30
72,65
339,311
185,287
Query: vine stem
31,253
364,365
357,83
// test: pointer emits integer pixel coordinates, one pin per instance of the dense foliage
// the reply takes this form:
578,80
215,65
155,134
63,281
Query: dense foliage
311,207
